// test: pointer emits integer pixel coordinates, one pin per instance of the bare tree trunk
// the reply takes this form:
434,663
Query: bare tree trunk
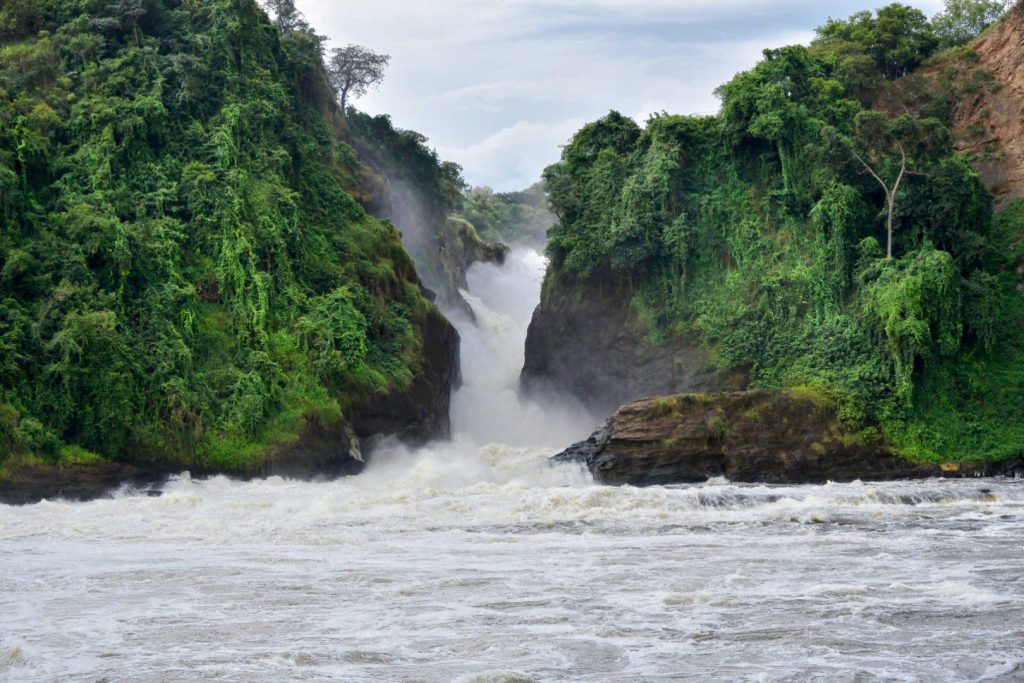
890,194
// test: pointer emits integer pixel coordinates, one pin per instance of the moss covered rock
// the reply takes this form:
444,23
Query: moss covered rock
777,437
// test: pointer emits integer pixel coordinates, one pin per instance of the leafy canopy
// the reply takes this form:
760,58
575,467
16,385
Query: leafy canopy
761,230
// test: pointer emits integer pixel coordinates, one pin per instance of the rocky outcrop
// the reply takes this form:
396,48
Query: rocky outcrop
326,451
788,437
593,346
454,251
30,482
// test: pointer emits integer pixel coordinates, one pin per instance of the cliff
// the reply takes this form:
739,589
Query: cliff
749,249
593,345
190,278
406,183
979,91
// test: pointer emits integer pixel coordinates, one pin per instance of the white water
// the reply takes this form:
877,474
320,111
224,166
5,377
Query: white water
474,562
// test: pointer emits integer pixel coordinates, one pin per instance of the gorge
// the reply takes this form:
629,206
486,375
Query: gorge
282,397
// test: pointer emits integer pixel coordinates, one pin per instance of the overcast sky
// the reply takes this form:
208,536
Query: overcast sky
499,85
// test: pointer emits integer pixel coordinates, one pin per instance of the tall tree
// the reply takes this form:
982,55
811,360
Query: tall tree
889,150
353,70
963,20
898,37
288,17
130,12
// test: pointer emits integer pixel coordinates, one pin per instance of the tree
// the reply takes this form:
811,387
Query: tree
353,70
129,11
889,150
964,20
288,17
898,37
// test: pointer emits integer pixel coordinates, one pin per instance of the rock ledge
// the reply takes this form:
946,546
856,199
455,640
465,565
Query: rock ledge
773,437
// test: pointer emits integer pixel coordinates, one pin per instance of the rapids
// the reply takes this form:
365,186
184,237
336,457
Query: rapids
474,560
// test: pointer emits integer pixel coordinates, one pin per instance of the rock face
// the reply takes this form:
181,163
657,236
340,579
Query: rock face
421,412
757,436
453,252
592,345
321,451
443,247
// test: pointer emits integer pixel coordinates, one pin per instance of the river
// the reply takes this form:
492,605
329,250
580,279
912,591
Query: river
473,561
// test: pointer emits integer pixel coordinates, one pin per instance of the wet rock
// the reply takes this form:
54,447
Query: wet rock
320,451
585,451
421,412
756,436
30,482
591,345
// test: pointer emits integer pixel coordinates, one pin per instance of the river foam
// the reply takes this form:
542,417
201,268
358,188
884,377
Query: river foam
475,560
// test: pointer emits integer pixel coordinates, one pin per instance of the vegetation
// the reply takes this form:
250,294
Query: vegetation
963,20
510,217
353,70
762,228
186,273
415,189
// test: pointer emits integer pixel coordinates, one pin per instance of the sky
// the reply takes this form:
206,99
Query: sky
499,86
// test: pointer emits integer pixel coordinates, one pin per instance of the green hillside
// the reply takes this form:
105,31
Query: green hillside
186,275
764,230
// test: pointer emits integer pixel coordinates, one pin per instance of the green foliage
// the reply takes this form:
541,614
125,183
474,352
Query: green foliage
417,190
912,309
509,217
898,37
185,272
964,20
760,229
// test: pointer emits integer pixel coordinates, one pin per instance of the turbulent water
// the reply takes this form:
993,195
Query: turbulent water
471,561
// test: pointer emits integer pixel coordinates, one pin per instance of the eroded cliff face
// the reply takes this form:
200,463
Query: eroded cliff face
983,88
787,437
593,346
448,256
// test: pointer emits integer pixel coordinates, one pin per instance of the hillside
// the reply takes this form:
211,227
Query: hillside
405,182
979,92
800,238
189,278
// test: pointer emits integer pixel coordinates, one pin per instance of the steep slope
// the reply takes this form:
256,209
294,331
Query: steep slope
188,277
694,252
406,183
979,91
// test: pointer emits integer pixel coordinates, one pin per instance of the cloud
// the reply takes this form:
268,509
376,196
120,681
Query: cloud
499,85
514,157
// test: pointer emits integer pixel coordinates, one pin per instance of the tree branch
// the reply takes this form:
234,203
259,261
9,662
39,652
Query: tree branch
870,170
903,170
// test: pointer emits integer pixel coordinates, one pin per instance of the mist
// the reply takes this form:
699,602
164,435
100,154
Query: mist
498,435
489,408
